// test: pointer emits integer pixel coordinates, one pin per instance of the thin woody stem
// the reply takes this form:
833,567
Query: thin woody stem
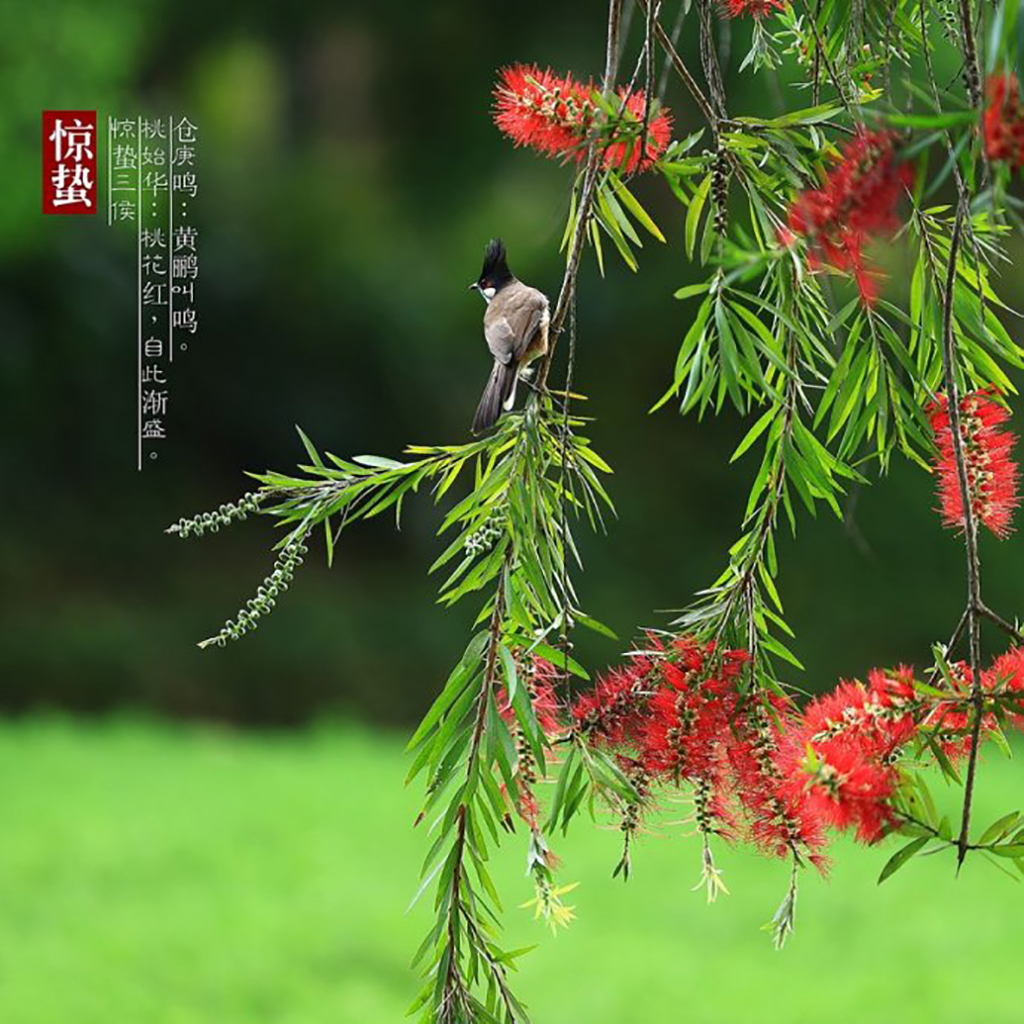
974,603
611,56
652,17
706,107
677,28
743,586
681,70
970,53
958,177
999,621
453,984
709,61
816,70
586,204
829,66
976,607
959,631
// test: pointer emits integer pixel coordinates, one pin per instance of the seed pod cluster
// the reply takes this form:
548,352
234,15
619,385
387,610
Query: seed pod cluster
213,521
488,534
288,560
720,190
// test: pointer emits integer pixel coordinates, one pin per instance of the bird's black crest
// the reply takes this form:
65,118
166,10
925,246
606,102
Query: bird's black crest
495,266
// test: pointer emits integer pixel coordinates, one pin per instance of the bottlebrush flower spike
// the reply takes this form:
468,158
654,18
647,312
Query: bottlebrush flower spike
845,787
857,201
876,718
992,474
613,710
688,717
950,721
780,820
541,110
1007,676
1003,122
836,759
754,8
555,114
626,155
681,731
542,694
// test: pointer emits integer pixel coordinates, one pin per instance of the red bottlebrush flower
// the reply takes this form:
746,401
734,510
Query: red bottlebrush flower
894,689
780,822
681,731
761,772
541,110
755,8
835,761
845,788
627,155
991,472
1007,676
712,810
554,115
1003,122
614,709
951,720
858,200
689,716
542,694
876,719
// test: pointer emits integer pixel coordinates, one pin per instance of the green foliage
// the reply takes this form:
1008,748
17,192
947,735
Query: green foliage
511,539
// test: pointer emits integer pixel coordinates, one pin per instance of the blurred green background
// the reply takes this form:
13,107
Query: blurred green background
350,176
187,875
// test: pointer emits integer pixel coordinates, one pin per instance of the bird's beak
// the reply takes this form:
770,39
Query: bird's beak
473,286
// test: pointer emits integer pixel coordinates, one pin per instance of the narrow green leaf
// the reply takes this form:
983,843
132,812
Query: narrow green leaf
999,828
755,432
308,445
694,212
901,856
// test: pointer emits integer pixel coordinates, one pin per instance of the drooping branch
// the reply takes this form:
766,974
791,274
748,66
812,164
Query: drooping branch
682,71
709,61
949,365
585,209
453,995
971,73
677,28
820,49
648,59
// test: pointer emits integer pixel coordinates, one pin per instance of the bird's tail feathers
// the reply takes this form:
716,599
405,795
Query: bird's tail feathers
510,398
498,394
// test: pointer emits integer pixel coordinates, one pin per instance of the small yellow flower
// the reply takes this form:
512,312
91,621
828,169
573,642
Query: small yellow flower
548,905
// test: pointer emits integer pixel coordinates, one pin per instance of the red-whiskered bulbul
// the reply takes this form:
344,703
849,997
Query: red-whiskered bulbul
516,330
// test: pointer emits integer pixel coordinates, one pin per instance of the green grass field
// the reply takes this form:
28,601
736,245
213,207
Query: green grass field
162,875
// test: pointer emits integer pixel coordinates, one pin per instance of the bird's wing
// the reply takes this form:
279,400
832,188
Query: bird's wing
501,339
525,315
531,322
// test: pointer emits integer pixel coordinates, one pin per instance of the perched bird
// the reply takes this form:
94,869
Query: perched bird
516,330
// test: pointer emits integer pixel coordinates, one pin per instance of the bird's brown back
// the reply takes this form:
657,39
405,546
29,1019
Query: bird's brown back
524,310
